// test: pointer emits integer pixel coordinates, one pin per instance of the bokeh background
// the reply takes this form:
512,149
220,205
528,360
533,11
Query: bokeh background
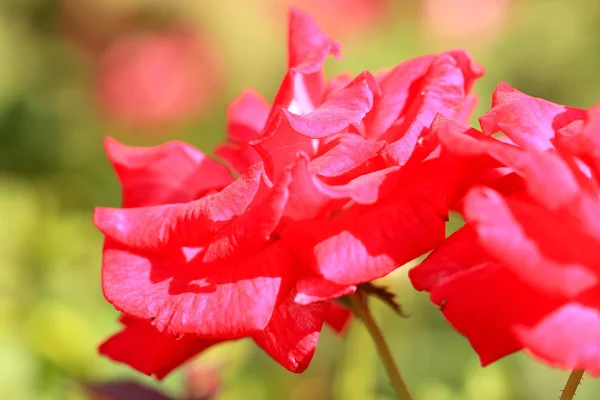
147,71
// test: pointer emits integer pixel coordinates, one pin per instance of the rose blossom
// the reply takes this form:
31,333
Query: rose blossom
523,272
336,188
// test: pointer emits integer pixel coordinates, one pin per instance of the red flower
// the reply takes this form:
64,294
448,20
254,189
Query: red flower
136,266
146,79
524,271
333,192
350,202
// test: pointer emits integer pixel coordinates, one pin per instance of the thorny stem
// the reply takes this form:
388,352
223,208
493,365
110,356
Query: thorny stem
572,384
361,310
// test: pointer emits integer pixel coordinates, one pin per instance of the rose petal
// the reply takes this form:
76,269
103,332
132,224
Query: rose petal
222,300
485,302
347,153
240,157
254,228
442,91
397,87
313,288
455,255
348,251
344,107
529,121
308,45
141,346
172,173
291,336
567,337
177,225
246,117
523,237
338,317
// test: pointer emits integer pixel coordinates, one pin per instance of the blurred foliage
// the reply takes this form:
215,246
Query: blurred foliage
53,172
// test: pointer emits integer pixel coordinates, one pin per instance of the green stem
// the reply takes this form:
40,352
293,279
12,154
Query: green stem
572,384
361,310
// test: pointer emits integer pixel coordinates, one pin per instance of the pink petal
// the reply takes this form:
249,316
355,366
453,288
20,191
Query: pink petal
313,288
291,336
582,139
172,173
306,200
308,46
240,157
471,70
246,117
222,300
254,228
176,225
529,121
347,153
279,145
151,352
569,337
397,87
443,92
468,108
344,107
366,189
525,239
348,251
287,133
464,141
336,83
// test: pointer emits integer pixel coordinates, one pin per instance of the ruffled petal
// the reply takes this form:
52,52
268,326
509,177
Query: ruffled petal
525,239
306,200
347,153
441,91
302,88
246,117
171,173
141,346
286,133
343,108
397,88
254,228
240,157
308,45
365,189
179,225
568,337
222,300
291,336
528,121
348,251
315,288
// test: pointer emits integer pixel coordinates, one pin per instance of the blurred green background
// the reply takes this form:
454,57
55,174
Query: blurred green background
53,172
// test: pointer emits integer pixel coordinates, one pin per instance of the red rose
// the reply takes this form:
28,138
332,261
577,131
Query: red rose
350,202
523,272
337,187
150,275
